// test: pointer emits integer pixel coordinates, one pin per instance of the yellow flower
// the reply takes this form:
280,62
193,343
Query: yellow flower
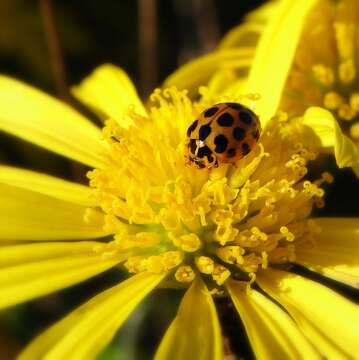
317,67
325,68
210,232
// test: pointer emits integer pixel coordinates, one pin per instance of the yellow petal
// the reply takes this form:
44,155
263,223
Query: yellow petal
32,270
45,121
330,135
195,332
264,12
272,333
274,55
110,93
88,329
198,72
328,320
45,184
335,253
242,35
28,215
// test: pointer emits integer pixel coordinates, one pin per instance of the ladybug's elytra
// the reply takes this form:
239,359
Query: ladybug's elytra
224,133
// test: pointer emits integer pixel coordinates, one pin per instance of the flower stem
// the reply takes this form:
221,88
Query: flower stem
53,43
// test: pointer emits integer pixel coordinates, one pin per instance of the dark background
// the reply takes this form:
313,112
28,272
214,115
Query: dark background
149,39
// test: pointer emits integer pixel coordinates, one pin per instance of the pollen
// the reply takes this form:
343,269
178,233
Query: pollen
230,221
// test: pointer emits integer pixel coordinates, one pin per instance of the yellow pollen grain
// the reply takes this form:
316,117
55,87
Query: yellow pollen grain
204,264
185,274
332,100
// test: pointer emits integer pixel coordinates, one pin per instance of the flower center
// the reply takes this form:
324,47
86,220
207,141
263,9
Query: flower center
229,221
340,94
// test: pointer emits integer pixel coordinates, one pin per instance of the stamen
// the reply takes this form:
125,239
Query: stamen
168,216
189,242
323,74
172,259
185,274
220,274
204,264
231,254
346,112
332,100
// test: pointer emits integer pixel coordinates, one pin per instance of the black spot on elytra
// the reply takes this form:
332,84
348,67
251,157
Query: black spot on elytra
192,146
245,148
231,152
221,143
211,111
192,128
246,117
239,133
204,151
235,106
210,158
204,131
255,134
225,120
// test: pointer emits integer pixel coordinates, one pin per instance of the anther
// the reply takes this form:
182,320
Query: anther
204,264
185,274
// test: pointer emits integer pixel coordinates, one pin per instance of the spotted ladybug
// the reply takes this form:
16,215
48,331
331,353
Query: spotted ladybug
224,133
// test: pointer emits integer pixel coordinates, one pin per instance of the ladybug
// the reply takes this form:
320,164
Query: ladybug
224,133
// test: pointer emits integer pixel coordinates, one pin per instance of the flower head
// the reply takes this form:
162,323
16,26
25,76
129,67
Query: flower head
325,69
218,223
213,232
